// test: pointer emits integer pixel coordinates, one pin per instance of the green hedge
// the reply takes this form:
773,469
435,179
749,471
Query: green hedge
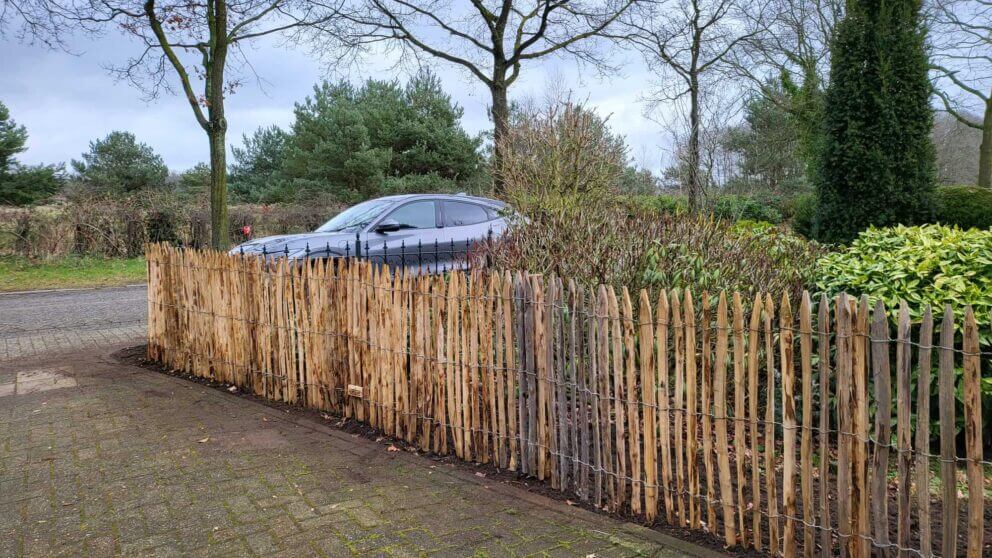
965,206
802,210
746,208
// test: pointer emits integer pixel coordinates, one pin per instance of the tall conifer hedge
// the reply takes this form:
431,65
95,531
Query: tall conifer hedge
877,162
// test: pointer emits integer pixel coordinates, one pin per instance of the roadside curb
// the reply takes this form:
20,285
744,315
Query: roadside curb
72,290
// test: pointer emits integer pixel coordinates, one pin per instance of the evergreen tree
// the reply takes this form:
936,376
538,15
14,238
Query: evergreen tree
877,160
254,173
119,164
351,143
768,148
13,138
22,184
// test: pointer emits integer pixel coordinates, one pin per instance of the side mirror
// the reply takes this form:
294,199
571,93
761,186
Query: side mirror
387,225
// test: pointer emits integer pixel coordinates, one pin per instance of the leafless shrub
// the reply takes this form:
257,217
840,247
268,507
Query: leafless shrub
556,152
610,242
121,227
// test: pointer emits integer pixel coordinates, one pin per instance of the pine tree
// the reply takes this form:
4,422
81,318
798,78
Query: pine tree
877,163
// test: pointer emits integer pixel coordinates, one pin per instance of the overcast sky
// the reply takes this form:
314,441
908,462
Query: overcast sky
66,100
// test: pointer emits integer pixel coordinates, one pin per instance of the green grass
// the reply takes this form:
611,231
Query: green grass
22,274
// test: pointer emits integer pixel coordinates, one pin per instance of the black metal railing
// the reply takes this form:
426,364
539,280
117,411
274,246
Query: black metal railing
433,258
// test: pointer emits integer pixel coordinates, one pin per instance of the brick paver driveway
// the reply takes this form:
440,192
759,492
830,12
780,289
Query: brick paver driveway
100,458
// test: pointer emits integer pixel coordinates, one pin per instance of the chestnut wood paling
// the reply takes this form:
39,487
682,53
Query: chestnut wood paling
903,428
923,431
862,541
752,395
883,429
740,417
720,412
664,403
706,409
621,402
973,433
788,427
771,482
619,420
679,408
649,382
806,443
692,417
823,348
844,423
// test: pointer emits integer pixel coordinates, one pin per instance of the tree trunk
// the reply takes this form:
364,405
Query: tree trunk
217,132
501,125
219,234
694,184
985,150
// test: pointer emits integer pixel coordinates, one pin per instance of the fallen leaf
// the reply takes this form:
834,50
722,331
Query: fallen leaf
480,474
204,440
569,502
233,389
392,448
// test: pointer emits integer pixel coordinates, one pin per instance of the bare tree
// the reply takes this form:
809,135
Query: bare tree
957,146
788,61
717,166
791,40
961,37
194,44
688,45
493,39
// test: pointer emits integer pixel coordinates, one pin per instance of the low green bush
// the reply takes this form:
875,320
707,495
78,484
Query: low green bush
965,206
929,264
802,212
734,207
659,203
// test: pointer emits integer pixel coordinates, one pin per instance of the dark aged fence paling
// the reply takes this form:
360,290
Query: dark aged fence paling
718,419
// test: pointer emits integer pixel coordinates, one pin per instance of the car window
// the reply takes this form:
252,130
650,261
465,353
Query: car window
457,214
356,217
415,215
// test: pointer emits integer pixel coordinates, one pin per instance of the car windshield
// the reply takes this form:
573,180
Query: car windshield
356,217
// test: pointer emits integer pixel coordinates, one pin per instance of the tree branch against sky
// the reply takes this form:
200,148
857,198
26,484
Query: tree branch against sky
687,45
792,38
961,46
189,47
493,40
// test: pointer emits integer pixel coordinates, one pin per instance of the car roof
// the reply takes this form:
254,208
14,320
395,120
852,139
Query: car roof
451,197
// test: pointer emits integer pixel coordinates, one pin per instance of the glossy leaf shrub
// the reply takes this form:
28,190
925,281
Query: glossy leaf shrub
929,264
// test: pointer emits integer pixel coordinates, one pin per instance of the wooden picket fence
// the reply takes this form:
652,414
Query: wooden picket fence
741,416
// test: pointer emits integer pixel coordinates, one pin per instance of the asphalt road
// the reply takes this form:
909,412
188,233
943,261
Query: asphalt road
36,322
